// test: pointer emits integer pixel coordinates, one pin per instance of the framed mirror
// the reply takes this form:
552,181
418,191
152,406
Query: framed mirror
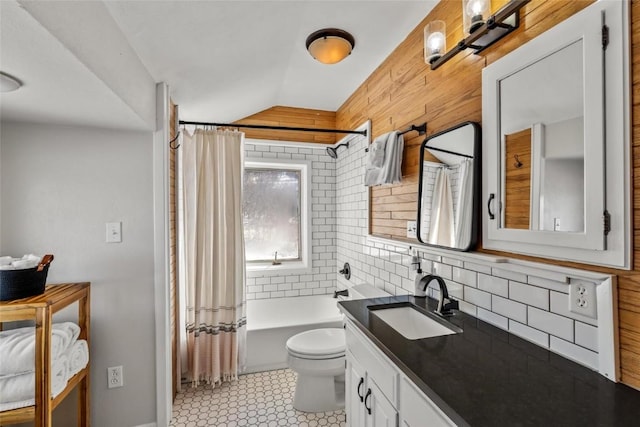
449,188
556,129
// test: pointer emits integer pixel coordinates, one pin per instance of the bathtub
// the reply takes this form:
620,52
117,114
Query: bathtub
270,322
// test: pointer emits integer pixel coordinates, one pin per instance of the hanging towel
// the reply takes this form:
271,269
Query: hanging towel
18,346
21,387
384,162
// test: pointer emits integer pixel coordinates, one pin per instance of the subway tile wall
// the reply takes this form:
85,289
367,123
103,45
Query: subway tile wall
531,307
322,278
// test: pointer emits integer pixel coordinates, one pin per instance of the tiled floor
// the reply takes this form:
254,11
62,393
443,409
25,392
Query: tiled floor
262,399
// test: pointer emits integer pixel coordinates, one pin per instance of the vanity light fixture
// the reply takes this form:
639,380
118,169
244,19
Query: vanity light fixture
435,41
330,45
484,33
473,14
8,83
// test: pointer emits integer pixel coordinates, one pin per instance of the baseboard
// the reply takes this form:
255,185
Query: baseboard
147,425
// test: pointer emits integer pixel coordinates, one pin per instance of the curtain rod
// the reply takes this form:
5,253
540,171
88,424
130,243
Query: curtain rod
426,147
358,132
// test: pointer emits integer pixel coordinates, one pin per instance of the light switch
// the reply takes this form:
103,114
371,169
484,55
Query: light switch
114,232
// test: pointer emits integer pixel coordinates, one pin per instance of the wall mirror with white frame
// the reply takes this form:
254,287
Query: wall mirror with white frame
556,132
449,188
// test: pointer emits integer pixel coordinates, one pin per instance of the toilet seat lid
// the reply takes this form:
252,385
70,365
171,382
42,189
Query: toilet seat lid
318,342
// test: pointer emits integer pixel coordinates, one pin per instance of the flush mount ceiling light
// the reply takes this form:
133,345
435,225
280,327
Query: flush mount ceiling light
8,83
330,45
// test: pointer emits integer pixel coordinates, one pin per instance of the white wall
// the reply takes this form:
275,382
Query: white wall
60,185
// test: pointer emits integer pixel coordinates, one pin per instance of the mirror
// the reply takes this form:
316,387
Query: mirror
448,189
541,123
556,164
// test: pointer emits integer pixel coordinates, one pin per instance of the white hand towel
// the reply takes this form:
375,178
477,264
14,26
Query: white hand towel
18,346
376,151
78,357
15,388
390,172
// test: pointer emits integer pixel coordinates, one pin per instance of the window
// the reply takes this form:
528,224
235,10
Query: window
275,213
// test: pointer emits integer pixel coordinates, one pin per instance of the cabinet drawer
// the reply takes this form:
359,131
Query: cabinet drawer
378,367
418,410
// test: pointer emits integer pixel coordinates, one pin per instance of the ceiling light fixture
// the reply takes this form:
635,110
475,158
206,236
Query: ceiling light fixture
8,83
330,45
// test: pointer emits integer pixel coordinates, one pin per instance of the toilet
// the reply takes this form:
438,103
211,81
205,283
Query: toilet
317,357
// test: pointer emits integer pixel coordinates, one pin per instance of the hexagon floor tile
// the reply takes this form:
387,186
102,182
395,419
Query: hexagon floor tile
263,399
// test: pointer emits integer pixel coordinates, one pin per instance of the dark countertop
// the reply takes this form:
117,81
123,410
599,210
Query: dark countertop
486,376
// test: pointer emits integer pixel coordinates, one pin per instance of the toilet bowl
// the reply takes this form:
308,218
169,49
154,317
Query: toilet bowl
318,358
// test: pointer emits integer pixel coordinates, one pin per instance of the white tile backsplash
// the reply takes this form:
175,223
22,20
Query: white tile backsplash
552,323
574,352
531,295
493,318
511,309
476,297
560,305
492,284
466,277
528,333
586,336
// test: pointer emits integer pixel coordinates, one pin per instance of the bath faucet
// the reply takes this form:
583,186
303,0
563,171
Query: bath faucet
443,309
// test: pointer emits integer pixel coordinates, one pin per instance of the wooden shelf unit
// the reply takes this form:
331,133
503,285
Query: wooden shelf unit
41,308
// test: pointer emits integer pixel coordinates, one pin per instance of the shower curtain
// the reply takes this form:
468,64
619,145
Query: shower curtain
465,204
441,227
214,270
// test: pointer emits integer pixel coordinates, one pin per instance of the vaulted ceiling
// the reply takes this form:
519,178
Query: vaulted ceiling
95,63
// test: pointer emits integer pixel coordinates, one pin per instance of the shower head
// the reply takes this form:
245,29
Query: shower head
333,151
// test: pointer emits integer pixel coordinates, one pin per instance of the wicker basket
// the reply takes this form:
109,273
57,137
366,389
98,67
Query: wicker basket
16,284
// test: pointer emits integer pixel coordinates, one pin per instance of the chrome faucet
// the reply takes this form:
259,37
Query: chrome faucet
443,309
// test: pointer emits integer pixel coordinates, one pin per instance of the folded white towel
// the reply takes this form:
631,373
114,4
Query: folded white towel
6,260
390,172
18,346
77,356
17,388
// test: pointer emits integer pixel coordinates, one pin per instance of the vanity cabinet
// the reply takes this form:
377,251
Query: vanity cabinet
418,410
378,394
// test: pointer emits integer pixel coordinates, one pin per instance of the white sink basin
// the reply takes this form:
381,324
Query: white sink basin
411,323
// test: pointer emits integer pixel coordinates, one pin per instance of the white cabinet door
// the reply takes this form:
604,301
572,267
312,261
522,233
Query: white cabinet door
354,392
417,410
379,411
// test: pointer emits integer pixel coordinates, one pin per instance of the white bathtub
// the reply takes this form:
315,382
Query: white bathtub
271,322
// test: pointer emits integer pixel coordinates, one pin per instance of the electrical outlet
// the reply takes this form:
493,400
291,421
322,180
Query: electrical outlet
114,377
582,298
411,229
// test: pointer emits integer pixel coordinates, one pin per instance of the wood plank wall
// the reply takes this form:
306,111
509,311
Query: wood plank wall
517,192
173,257
292,117
403,90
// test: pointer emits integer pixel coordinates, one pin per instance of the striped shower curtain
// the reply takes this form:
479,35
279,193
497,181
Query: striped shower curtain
214,276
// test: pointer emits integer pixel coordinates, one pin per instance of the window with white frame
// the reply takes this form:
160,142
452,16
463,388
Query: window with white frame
276,212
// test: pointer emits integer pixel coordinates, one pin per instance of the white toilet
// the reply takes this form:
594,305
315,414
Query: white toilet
318,358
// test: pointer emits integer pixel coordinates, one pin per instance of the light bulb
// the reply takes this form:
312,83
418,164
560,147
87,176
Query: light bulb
435,41
475,12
